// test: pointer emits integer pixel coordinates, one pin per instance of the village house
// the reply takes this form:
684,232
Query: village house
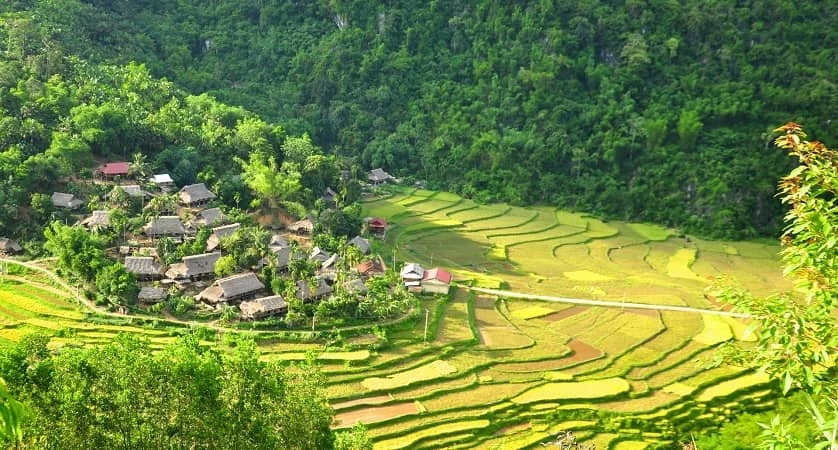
368,269
114,169
329,264
194,267
165,226
209,217
143,267
219,233
411,274
149,294
195,195
9,246
377,227
260,308
98,220
362,244
304,226
305,293
330,197
278,241
436,281
66,201
319,255
378,176
231,289
134,190
355,286
163,181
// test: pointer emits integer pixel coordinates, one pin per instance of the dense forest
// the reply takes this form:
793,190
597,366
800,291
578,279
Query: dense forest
652,110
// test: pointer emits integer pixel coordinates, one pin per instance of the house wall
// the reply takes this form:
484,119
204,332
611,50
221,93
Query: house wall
432,287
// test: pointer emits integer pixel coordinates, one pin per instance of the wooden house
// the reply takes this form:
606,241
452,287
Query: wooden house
362,244
143,267
378,176
195,195
264,307
307,294
9,246
377,227
231,289
113,169
150,294
436,281
194,267
66,201
170,226
98,220
304,226
219,233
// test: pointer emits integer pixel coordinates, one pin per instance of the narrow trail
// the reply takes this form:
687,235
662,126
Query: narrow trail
610,304
74,293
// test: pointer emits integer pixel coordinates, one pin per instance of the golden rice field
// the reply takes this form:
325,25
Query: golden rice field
504,373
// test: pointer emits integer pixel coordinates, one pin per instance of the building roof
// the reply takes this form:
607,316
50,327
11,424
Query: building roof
165,225
231,287
369,268
378,175
194,266
162,178
114,168
319,254
302,225
412,270
330,195
9,245
263,306
377,222
362,244
356,286
330,262
210,216
133,190
98,219
62,200
219,233
437,274
278,241
304,290
142,265
148,293
195,193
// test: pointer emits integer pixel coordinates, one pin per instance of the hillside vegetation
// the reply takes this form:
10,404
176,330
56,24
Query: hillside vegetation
650,110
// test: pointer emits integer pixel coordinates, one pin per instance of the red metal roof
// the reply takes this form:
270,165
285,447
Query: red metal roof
378,222
114,168
438,274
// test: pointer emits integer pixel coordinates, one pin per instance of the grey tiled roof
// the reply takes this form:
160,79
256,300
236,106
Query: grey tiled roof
165,225
232,287
378,175
9,245
362,244
194,266
148,293
62,200
98,219
263,306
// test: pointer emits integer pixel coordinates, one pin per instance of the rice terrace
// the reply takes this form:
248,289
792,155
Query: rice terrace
496,372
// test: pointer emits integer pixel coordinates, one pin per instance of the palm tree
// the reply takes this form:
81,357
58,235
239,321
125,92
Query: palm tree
139,166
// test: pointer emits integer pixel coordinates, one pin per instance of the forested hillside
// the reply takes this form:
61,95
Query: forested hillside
652,110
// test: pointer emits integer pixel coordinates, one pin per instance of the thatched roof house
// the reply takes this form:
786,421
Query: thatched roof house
68,201
144,267
195,194
305,293
165,226
362,244
319,255
330,196
150,294
370,268
211,216
263,307
194,267
98,220
134,190
219,233
9,246
355,286
378,175
305,226
231,289
330,262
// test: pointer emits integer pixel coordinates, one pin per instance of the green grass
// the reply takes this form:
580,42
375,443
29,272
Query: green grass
440,430
436,369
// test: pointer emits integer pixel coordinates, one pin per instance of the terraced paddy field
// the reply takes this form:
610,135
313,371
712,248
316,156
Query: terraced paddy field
620,377
508,373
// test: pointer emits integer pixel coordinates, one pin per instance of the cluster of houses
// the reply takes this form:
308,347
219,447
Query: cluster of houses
420,280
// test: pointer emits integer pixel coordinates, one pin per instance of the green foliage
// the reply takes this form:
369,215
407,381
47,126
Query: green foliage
114,396
12,414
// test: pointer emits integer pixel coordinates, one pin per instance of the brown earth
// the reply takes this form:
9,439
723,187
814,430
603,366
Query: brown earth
374,414
565,313
581,352
362,401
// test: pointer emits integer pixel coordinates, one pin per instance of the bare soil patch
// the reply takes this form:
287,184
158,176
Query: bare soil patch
483,302
376,400
581,352
374,414
565,313
509,429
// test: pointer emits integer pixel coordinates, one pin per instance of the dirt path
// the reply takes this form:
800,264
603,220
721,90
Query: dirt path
609,304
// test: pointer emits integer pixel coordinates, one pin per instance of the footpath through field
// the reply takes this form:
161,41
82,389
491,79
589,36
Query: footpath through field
609,304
